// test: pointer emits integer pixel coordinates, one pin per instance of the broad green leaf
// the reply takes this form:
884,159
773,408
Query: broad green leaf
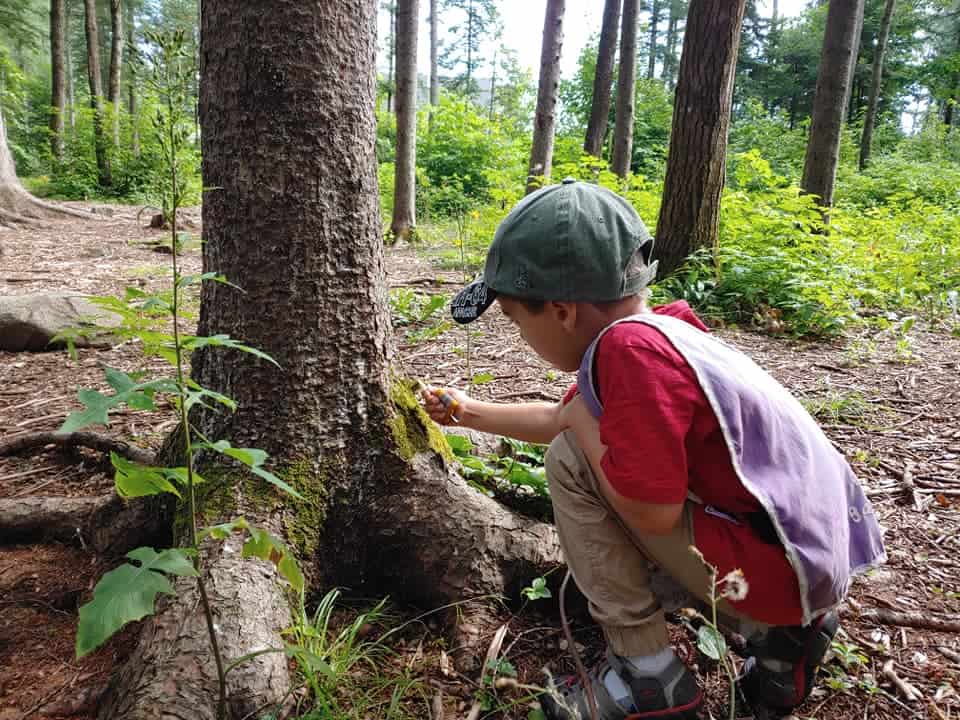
482,378
96,405
459,444
199,341
214,276
263,545
253,458
224,530
128,593
313,663
135,480
710,642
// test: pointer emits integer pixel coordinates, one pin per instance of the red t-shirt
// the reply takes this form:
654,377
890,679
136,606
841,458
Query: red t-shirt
663,440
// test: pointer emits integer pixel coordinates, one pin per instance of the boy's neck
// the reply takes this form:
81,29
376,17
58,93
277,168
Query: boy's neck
597,317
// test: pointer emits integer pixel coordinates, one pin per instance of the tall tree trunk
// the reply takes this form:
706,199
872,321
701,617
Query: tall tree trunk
132,83
602,80
690,211
840,44
116,63
626,89
296,88
68,53
669,58
58,85
434,77
96,93
493,86
654,22
404,193
876,84
392,59
545,119
470,18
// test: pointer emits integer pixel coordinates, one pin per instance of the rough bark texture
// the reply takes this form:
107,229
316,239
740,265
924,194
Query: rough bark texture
58,84
654,22
434,76
96,92
690,211
840,43
626,89
876,84
116,63
602,80
295,220
545,119
404,192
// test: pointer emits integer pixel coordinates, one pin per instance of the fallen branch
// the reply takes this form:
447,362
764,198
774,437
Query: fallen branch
909,692
950,654
911,619
94,441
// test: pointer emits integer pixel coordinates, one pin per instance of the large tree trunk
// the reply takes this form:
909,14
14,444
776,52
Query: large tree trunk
58,85
295,220
840,43
876,83
654,22
132,82
626,90
545,119
116,63
690,211
602,80
391,54
434,77
105,176
404,192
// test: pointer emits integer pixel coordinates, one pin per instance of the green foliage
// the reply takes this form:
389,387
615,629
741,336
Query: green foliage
521,465
537,590
423,313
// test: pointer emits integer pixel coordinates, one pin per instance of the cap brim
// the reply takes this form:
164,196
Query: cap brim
471,302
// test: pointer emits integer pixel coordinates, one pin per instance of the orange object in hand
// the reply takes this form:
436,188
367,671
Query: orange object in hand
449,402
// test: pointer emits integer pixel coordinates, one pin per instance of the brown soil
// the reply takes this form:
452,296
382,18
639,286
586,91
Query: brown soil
892,410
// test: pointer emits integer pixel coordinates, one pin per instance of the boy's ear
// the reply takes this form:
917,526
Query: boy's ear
565,313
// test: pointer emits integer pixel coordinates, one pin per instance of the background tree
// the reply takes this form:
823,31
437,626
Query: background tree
338,424
602,81
475,20
404,197
58,79
690,211
434,77
656,8
876,83
391,7
840,42
677,14
626,88
95,79
116,65
545,119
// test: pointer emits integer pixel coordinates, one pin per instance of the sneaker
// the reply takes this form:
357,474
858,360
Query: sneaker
672,695
784,663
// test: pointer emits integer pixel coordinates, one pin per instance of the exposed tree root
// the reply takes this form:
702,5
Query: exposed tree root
91,440
103,523
911,619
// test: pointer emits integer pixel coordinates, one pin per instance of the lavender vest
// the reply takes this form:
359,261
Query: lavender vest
783,459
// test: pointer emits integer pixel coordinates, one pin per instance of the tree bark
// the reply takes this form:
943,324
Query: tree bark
434,77
94,77
116,63
405,166
840,44
545,119
295,220
132,83
654,22
626,89
58,94
876,84
690,211
603,80
392,55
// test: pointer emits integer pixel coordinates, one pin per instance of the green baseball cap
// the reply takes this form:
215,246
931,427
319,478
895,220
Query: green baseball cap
572,242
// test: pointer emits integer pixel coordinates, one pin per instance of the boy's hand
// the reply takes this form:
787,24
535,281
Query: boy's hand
440,412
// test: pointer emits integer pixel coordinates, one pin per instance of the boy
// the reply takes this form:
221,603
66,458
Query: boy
669,440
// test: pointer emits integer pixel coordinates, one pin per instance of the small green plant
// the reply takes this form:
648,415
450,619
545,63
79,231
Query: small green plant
849,408
521,465
418,310
537,590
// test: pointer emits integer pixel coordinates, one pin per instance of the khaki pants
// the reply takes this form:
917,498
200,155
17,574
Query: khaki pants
610,562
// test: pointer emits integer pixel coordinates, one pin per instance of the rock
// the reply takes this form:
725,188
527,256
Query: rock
29,322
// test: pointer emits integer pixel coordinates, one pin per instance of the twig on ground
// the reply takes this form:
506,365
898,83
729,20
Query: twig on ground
436,709
90,440
908,691
950,654
911,620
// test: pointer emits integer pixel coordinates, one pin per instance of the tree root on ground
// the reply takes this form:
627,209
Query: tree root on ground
94,441
911,619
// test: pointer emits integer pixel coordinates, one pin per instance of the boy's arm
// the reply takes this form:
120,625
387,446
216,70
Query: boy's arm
643,518
530,422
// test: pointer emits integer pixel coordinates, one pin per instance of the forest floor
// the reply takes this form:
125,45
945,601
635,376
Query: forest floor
892,405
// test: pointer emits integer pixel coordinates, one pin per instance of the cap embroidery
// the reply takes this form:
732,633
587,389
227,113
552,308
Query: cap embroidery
522,281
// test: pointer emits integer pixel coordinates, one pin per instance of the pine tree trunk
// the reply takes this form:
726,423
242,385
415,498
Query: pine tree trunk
840,44
404,193
876,84
545,119
58,85
434,77
626,89
654,22
392,58
669,60
132,83
96,93
602,80
690,211
296,221
116,64
68,52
